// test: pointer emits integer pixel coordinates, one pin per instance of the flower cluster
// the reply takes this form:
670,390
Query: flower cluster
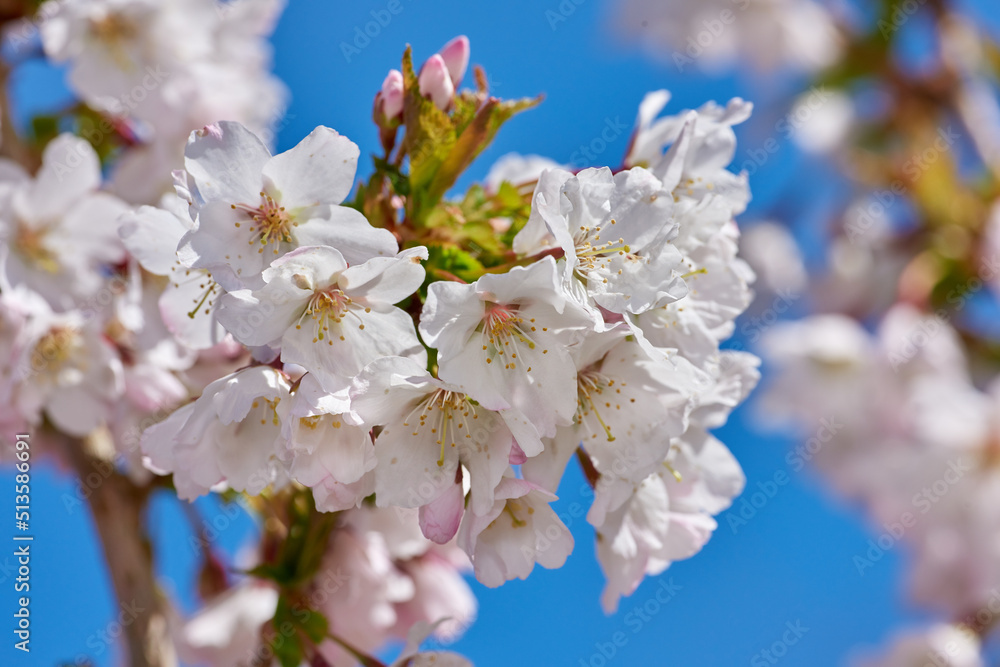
397,379
916,441
603,338
773,34
157,70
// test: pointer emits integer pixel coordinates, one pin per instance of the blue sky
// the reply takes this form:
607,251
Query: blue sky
791,562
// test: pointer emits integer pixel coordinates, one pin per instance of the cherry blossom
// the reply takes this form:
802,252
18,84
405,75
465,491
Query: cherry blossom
59,229
505,341
253,208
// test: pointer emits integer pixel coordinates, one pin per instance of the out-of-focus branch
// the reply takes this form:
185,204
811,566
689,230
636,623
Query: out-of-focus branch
12,146
117,506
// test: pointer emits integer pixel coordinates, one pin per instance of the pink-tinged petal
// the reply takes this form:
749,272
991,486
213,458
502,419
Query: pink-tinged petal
319,170
440,519
517,455
332,496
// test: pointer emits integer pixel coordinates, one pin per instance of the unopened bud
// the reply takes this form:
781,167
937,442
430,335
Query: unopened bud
435,82
392,94
456,56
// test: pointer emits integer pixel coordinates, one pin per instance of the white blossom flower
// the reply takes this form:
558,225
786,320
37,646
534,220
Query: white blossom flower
331,452
65,368
225,631
505,340
159,70
614,231
253,208
628,409
231,434
187,304
719,291
59,230
432,430
644,524
326,316
520,529
691,150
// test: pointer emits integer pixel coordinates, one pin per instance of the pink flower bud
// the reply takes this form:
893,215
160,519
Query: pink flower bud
435,82
456,56
392,94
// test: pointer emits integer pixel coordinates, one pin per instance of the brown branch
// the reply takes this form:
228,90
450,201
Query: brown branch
12,146
117,506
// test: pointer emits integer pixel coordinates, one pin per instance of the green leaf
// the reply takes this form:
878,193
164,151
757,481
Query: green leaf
288,650
400,182
453,260
476,136
315,626
430,133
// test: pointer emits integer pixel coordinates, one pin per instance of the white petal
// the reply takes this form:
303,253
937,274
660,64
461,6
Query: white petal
226,161
319,170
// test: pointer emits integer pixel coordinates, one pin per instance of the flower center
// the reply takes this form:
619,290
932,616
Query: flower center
447,414
271,223
327,308
113,28
594,254
206,284
30,243
595,392
516,509
268,411
54,349
505,333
